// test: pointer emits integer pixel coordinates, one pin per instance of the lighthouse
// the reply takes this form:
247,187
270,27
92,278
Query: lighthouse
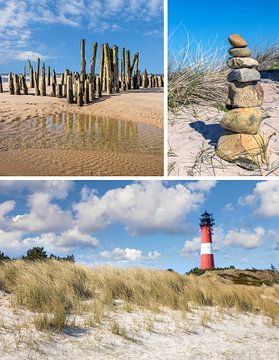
207,258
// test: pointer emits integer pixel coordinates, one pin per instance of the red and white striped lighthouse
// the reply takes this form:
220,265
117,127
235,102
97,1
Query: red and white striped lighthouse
207,258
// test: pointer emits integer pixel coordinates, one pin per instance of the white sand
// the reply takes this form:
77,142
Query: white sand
192,140
167,336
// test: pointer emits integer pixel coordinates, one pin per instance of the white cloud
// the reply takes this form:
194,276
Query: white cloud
18,16
265,199
229,207
145,207
191,246
244,238
128,254
54,188
30,55
204,185
44,216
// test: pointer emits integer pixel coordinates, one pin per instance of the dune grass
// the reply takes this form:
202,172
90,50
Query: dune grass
52,290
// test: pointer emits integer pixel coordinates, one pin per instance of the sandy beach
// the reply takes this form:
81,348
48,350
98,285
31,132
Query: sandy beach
193,136
144,108
204,333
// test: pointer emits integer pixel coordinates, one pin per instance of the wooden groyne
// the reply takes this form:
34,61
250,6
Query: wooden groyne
115,75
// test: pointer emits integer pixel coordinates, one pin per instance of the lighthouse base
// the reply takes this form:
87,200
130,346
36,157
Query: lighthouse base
207,262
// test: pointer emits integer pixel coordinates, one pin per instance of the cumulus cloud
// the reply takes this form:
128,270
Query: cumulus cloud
54,188
44,216
244,238
129,255
265,199
18,16
145,207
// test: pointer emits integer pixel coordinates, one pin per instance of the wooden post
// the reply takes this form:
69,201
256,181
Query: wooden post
37,90
11,84
38,65
1,84
59,90
24,71
17,85
128,71
43,81
83,61
123,80
91,90
150,81
86,92
138,79
48,76
53,83
98,87
115,69
108,71
102,65
24,86
31,74
93,62
70,99
79,94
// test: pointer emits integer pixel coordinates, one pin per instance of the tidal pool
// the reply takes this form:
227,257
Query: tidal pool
74,144
82,132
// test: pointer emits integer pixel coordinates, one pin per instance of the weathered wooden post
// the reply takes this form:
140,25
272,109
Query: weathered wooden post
43,81
115,69
83,61
150,81
160,81
38,69
17,85
108,71
98,87
93,62
138,79
102,56
31,74
24,86
53,83
86,92
24,71
59,90
128,71
70,99
123,80
48,76
1,84
79,94
36,78
11,84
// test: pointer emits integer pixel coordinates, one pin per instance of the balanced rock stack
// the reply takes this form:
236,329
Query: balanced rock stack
245,98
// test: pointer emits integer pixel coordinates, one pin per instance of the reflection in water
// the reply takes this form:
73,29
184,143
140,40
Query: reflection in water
76,131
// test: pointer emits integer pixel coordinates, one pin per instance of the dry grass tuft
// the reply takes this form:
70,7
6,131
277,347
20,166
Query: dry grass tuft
53,290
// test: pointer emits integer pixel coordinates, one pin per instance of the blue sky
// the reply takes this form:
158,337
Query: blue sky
53,29
210,22
150,223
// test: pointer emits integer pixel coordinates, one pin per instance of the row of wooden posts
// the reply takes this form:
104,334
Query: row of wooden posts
82,88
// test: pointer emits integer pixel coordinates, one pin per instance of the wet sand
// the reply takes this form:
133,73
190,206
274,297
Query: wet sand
119,135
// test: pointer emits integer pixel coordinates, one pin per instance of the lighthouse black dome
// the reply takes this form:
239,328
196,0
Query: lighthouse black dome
206,219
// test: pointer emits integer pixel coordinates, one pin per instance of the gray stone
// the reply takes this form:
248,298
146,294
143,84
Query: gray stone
244,75
241,96
240,52
242,62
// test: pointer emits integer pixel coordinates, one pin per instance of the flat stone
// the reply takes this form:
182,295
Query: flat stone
244,75
242,96
232,147
240,52
242,62
243,120
237,41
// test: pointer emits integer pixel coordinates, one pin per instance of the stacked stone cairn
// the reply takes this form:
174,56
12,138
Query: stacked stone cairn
242,143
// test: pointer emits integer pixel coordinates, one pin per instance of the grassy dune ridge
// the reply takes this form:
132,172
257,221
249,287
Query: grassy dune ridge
54,289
